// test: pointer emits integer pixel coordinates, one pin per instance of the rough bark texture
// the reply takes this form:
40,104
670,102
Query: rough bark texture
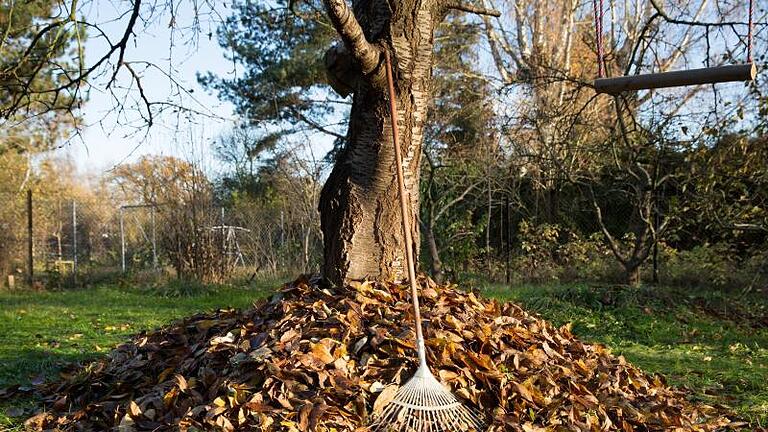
360,217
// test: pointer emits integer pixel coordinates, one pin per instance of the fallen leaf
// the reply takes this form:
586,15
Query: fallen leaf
327,359
385,397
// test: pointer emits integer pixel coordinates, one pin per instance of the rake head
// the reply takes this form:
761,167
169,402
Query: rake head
425,405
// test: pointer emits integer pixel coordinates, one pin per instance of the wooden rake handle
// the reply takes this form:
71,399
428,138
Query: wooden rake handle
409,257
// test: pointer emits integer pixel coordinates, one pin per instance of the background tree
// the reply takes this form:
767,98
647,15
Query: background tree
183,196
455,141
725,191
283,86
629,190
273,191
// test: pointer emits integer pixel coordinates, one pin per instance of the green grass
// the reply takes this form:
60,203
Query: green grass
42,331
711,343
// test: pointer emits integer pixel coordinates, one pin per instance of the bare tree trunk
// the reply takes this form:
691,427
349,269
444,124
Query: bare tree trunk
434,253
632,274
359,212
307,233
359,215
553,203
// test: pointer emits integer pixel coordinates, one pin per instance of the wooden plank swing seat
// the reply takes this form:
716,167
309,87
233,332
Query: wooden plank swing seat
692,77
710,75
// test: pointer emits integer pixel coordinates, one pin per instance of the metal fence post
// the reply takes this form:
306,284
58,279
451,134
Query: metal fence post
74,242
122,241
508,240
223,245
656,223
30,239
281,253
223,239
154,240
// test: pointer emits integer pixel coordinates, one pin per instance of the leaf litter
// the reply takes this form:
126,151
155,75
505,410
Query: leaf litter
325,359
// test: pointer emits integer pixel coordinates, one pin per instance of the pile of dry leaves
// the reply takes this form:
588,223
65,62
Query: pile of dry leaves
328,359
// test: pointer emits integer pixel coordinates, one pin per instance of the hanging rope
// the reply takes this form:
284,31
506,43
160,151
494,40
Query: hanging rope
749,31
598,9
708,75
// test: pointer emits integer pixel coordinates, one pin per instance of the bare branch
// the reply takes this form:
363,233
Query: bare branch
612,244
345,23
662,13
75,81
124,41
494,42
149,118
749,227
456,200
460,6
315,125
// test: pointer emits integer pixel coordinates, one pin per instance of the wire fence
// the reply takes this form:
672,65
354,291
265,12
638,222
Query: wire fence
57,240
62,241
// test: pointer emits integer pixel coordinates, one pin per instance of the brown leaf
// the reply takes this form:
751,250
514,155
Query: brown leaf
318,410
385,397
134,410
60,404
304,413
181,382
322,353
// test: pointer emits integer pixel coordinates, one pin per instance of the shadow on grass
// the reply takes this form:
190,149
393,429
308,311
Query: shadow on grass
28,367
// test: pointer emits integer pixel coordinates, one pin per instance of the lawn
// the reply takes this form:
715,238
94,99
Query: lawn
41,331
711,343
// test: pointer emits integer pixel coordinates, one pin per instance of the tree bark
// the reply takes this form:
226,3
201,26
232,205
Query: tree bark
632,274
434,253
359,212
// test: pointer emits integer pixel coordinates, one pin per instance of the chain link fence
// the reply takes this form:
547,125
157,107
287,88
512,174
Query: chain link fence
59,241
53,240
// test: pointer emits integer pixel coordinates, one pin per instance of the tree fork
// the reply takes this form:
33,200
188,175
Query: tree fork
359,213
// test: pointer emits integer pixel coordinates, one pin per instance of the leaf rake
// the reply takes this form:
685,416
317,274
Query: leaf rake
423,404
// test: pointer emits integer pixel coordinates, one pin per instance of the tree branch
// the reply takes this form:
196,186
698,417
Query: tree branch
73,83
315,125
662,13
457,5
612,244
137,79
494,42
347,26
456,200
123,43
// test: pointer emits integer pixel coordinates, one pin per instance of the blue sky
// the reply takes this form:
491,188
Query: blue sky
108,137
105,142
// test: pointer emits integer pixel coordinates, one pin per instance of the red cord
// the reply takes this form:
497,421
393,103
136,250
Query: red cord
598,9
749,34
